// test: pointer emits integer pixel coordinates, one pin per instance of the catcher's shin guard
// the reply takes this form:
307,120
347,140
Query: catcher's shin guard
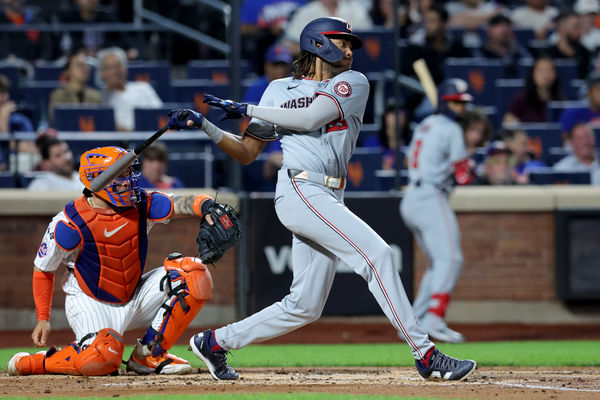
27,364
189,285
102,357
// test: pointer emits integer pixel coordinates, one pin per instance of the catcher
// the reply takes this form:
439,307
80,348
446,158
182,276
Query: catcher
102,240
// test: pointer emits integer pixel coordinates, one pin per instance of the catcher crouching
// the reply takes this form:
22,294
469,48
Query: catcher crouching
101,238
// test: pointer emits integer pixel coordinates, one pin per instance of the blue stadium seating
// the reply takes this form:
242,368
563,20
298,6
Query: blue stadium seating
12,73
361,169
7,179
542,137
377,53
156,73
151,119
84,119
195,169
555,154
505,91
566,69
387,179
37,93
550,177
215,70
252,176
480,73
555,108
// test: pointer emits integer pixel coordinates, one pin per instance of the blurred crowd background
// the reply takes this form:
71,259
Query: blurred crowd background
76,74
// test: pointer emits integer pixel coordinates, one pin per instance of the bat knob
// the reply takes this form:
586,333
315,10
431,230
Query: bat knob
182,115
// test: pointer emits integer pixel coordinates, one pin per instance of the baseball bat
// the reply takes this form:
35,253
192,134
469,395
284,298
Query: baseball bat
124,162
426,81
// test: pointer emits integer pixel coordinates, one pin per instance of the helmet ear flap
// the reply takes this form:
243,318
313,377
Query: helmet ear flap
327,50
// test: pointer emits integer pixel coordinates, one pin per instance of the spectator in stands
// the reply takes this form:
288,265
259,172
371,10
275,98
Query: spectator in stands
588,14
521,160
382,14
471,15
277,65
569,43
263,23
584,158
30,45
386,138
589,114
536,15
123,96
155,163
350,10
501,44
496,167
75,89
477,130
61,174
91,41
10,119
434,44
541,86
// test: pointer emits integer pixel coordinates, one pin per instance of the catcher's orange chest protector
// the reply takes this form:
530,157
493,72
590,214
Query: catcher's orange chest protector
112,259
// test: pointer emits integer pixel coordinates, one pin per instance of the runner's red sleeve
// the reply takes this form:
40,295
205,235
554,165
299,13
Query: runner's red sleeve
43,288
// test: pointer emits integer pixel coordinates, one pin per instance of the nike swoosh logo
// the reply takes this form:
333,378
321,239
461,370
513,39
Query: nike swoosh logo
110,233
292,87
110,348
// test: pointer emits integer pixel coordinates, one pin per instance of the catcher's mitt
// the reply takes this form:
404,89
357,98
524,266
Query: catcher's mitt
214,240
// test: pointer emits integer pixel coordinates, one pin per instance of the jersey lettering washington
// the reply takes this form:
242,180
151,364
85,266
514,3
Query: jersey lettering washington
302,102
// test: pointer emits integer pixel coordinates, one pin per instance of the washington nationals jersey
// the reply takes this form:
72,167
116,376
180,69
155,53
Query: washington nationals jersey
436,144
328,149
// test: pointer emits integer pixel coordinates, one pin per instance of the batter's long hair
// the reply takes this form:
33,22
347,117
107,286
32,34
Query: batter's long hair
304,65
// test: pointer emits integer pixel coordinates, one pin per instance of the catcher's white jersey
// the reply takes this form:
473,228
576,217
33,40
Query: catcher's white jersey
324,229
436,144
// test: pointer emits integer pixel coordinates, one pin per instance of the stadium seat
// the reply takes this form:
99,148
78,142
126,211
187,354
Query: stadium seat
12,73
195,169
216,71
377,53
156,73
84,119
7,179
361,169
555,154
554,109
566,69
542,137
37,93
151,119
387,179
481,74
505,91
551,177
252,176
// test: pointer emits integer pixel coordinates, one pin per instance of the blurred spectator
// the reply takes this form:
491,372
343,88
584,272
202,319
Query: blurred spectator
496,167
155,164
522,161
382,14
386,138
434,44
349,10
75,90
61,174
542,85
91,41
30,45
589,114
263,23
277,65
477,130
123,96
501,44
10,120
569,43
536,15
584,158
588,14
471,14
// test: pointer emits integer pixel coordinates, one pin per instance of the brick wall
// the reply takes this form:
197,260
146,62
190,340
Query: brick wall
20,238
508,256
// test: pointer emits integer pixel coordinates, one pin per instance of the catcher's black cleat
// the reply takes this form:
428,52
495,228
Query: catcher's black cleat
216,361
437,365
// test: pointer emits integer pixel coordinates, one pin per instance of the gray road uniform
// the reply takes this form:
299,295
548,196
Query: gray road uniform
309,202
436,147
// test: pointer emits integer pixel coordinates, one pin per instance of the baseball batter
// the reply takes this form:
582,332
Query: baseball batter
101,238
318,113
436,152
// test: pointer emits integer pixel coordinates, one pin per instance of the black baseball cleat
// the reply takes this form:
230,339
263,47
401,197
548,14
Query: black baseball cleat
437,365
216,361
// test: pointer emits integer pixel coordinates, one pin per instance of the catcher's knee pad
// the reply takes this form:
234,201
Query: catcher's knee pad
102,357
189,286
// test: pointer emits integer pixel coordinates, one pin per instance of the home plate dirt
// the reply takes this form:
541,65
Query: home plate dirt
485,383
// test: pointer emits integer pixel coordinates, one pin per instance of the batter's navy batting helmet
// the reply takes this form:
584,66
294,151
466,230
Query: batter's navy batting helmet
320,30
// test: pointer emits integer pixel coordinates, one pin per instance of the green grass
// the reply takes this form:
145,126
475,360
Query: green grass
527,354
